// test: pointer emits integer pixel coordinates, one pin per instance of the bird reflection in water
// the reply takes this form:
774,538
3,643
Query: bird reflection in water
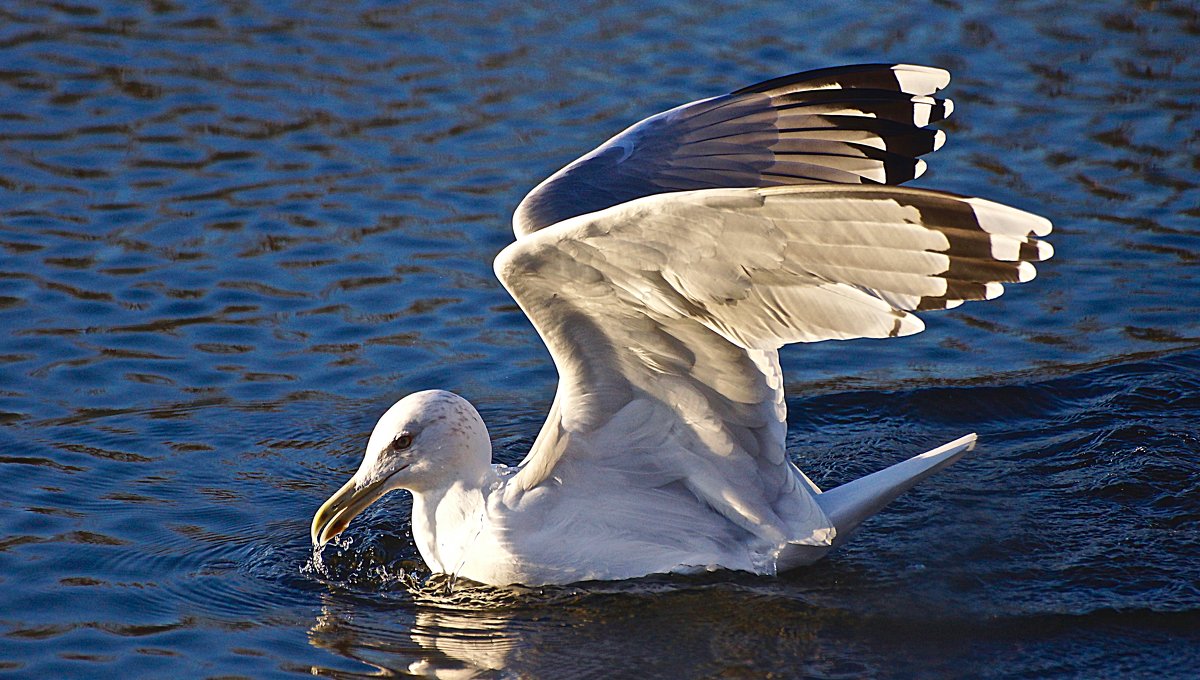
464,631
669,626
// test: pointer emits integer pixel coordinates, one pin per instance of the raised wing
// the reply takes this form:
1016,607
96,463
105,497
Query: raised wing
846,125
663,316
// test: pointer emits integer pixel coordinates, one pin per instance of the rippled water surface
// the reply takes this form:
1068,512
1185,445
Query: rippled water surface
232,233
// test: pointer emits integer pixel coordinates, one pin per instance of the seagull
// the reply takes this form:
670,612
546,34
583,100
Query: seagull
664,270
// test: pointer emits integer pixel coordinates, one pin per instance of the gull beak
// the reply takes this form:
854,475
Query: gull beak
335,514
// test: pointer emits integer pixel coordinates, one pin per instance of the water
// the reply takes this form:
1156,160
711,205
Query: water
232,233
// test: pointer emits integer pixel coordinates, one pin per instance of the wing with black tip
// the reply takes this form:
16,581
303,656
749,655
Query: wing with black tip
864,124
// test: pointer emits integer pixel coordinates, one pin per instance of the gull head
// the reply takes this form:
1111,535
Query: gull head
427,441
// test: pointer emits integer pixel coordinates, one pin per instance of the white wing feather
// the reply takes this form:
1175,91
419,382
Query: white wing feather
663,316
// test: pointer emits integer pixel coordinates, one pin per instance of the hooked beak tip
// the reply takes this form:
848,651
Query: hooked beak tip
324,533
315,533
335,514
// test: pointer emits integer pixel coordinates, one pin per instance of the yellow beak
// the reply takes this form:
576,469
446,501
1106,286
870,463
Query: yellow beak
335,514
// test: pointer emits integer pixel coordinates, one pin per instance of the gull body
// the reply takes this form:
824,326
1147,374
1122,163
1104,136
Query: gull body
664,270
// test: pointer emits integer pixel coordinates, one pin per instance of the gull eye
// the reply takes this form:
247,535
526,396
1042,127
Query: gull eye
402,441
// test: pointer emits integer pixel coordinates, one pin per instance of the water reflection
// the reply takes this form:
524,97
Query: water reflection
649,628
433,642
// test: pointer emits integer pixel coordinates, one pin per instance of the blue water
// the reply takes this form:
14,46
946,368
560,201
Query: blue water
233,233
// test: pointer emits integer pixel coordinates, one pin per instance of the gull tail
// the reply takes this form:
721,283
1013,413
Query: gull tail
849,504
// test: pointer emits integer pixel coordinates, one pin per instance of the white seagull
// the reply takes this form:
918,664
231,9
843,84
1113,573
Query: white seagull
664,270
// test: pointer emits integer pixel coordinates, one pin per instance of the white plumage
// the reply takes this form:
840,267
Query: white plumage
663,271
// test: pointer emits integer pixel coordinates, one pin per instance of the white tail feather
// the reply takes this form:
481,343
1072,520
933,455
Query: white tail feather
848,505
